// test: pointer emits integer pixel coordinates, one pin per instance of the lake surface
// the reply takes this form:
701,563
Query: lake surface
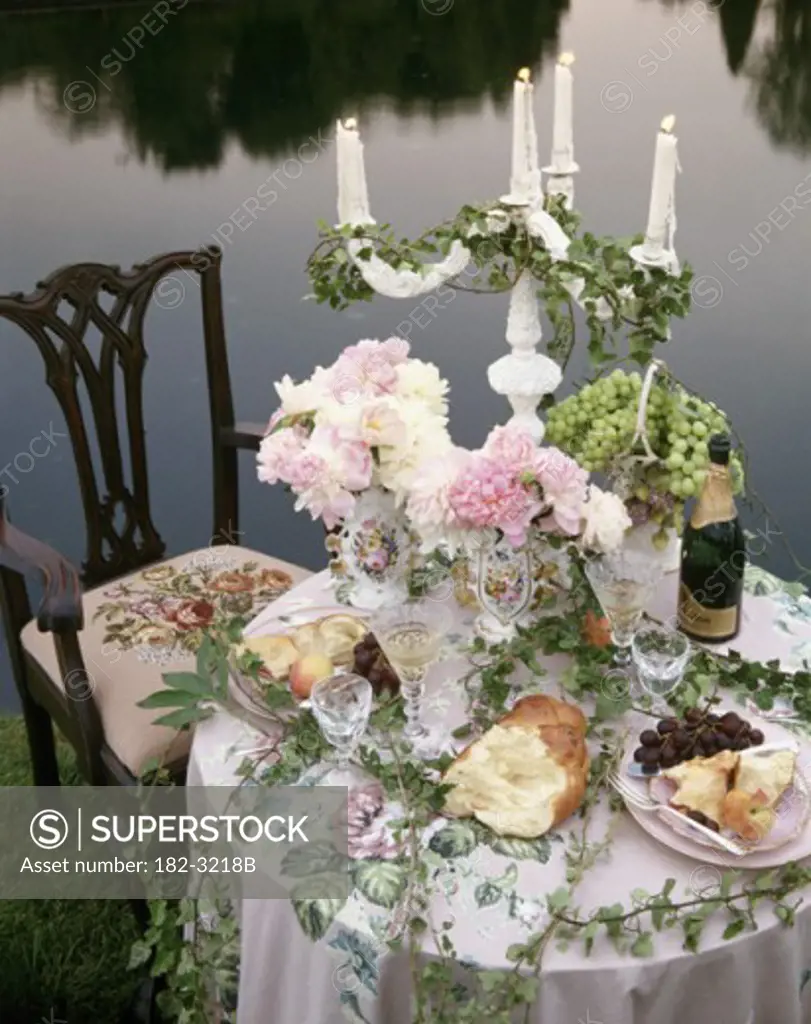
117,147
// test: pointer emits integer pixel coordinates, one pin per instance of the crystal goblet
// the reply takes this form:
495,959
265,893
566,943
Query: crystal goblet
410,635
660,656
623,582
341,705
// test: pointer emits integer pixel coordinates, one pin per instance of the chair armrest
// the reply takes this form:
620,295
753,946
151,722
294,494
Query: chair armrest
244,435
61,607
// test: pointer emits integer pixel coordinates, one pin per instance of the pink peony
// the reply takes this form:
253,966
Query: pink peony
511,447
485,495
347,457
429,501
368,368
564,486
278,453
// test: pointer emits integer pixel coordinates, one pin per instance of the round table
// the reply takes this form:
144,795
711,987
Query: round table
494,891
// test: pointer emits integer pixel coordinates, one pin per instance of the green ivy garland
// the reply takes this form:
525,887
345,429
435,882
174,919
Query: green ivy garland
642,301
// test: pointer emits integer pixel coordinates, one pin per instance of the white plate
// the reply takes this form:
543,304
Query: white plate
795,825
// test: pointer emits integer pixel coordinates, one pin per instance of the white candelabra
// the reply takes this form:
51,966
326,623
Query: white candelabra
525,375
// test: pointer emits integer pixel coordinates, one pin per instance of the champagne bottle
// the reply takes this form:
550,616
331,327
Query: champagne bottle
713,557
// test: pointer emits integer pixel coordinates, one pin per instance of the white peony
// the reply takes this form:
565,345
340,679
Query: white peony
306,396
605,520
421,381
429,508
426,436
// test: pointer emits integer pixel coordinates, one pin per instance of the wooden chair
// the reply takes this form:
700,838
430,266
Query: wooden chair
103,636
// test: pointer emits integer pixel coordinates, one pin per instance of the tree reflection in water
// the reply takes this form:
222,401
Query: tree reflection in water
267,74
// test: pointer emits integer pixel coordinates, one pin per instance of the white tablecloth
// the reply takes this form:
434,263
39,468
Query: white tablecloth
496,897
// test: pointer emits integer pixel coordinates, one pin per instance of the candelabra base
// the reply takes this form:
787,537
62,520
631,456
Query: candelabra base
524,380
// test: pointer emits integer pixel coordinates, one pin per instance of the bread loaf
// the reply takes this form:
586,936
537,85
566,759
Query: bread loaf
527,773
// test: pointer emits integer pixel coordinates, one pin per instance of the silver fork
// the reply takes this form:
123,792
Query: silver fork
644,803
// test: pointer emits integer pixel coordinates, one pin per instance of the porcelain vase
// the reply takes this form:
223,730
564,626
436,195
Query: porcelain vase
504,586
371,555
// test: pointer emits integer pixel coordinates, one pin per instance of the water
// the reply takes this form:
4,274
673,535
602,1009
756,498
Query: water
120,144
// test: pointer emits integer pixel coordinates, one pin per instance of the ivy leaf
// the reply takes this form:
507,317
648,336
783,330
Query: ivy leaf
523,849
168,699
589,935
140,953
382,882
487,894
643,945
315,916
183,718
189,682
454,840
734,928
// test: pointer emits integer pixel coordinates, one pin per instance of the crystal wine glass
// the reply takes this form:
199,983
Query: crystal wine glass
342,704
623,583
410,635
660,656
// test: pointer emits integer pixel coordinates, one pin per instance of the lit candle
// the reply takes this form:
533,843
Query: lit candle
353,197
662,210
562,127
525,179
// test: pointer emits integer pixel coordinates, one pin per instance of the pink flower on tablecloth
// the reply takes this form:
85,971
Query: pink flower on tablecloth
369,837
564,485
486,496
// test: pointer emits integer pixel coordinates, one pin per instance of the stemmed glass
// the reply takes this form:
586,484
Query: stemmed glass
660,656
623,583
342,704
410,635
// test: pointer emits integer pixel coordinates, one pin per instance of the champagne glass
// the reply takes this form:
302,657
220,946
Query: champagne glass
410,635
341,705
623,582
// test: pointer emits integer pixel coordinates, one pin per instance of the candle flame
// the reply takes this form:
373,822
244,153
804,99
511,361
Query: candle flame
524,75
668,123
566,59
350,124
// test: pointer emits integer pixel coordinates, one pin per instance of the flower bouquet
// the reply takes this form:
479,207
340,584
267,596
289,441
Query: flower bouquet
347,442
500,505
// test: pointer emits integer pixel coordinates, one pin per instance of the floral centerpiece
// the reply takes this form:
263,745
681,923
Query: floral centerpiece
347,442
499,504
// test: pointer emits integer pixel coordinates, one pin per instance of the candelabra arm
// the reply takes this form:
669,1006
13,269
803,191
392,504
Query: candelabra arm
407,284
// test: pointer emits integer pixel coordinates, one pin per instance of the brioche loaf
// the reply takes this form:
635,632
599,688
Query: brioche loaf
527,773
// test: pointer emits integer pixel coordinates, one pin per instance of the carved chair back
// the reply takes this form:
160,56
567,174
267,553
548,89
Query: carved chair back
121,536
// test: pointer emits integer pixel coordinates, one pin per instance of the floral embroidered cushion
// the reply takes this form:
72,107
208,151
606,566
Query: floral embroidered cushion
157,617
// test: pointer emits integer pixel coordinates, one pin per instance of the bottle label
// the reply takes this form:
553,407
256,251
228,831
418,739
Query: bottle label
709,623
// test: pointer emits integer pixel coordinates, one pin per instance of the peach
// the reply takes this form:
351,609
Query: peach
307,671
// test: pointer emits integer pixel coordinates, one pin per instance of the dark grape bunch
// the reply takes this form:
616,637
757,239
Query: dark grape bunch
371,663
698,734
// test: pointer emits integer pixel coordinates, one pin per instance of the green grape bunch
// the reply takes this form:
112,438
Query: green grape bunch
596,425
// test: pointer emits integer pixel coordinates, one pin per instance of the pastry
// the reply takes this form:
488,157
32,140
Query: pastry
277,653
757,786
339,634
527,773
703,783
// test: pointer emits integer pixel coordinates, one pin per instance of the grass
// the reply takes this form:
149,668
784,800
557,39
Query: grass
60,960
